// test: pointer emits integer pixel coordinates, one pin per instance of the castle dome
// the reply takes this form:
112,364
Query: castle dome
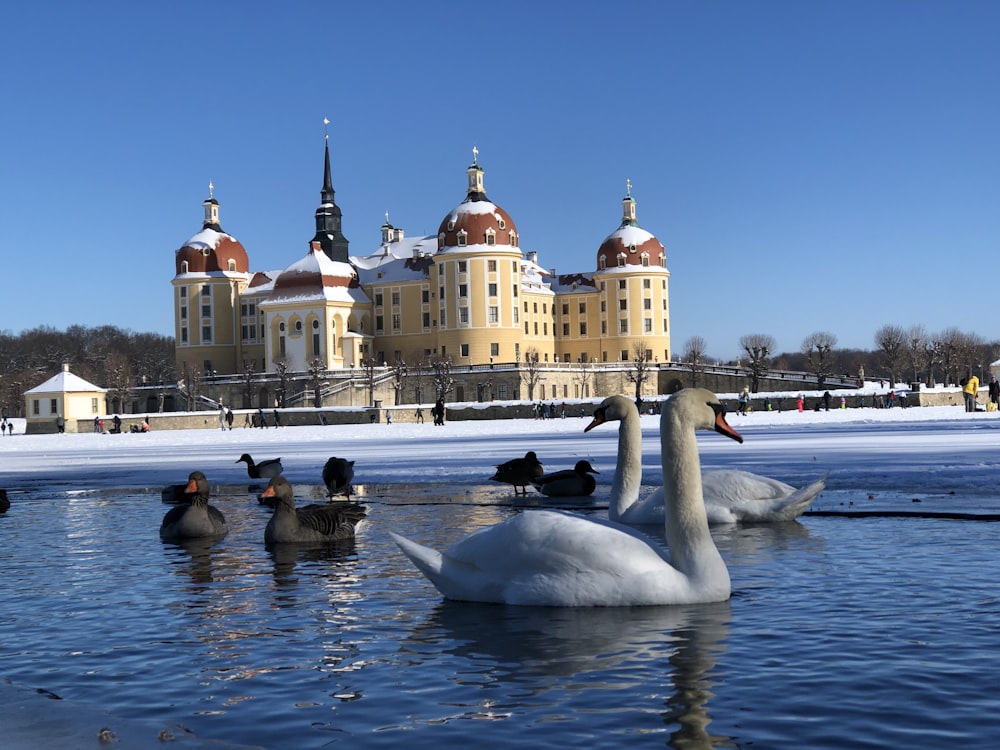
630,244
211,250
477,220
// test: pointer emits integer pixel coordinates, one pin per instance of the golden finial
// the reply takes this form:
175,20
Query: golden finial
326,127
628,188
475,155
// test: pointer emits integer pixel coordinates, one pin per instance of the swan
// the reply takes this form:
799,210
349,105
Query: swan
264,470
519,471
731,496
337,476
195,519
573,482
557,558
311,524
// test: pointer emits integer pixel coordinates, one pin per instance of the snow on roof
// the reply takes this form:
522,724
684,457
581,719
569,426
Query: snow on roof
207,239
475,207
400,250
573,282
631,235
324,294
66,382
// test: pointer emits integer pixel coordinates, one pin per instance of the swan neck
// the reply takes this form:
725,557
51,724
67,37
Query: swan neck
628,473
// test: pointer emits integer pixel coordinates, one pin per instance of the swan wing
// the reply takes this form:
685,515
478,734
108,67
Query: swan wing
549,558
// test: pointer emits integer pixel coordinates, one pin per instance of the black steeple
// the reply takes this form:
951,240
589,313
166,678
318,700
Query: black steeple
328,218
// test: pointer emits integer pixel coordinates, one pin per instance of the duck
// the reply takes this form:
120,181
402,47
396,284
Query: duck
556,558
574,482
337,476
195,519
730,495
4,502
519,472
264,470
310,524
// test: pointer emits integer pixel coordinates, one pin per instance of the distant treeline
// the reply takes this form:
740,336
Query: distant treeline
107,356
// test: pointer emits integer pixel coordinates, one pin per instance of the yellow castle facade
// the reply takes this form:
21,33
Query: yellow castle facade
468,294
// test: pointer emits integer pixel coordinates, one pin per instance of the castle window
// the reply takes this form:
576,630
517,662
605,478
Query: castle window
631,248
451,224
513,239
205,291
378,300
206,311
463,237
494,350
583,329
645,259
491,265
462,265
621,283
602,263
494,314
427,320
493,290
463,290
647,304
298,326
184,269
232,264
395,298
184,313
645,283
663,260
440,241
647,325
621,260
583,308
622,304
623,325
491,238
465,350
379,323
565,329
463,315
206,334
501,223
397,322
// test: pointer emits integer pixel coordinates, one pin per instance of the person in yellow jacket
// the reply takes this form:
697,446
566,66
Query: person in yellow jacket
971,389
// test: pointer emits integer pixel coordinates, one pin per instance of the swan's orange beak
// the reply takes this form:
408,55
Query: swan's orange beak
722,426
598,420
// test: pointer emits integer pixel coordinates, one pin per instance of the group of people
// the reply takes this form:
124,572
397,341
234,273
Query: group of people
225,418
543,411
5,425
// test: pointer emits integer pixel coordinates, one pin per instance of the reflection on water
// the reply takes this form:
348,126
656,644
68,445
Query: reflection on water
601,649
308,647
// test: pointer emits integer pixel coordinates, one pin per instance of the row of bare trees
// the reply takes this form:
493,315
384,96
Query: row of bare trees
901,354
111,357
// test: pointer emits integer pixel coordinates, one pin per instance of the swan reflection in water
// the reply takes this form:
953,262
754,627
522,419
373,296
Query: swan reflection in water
530,650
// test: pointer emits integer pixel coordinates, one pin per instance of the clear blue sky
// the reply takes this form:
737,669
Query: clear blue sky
809,166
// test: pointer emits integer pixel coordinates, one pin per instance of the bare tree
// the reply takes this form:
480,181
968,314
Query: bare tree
444,383
583,376
118,370
249,379
281,368
948,346
418,373
818,347
922,352
398,370
639,372
891,341
758,348
531,372
694,354
368,366
317,369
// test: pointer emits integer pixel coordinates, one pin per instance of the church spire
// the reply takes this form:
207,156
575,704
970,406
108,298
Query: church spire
328,217
476,191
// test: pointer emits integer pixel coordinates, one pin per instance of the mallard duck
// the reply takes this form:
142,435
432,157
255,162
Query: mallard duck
264,470
575,482
519,472
196,518
311,524
337,476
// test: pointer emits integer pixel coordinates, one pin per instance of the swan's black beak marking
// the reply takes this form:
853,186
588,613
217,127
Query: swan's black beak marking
599,418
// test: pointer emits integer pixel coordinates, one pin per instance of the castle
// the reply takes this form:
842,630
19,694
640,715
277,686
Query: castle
468,295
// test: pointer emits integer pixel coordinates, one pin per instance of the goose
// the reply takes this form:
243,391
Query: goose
264,470
4,502
519,471
557,558
731,496
311,524
337,476
573,482
196,518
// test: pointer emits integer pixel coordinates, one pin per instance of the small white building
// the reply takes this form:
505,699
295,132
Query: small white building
66,396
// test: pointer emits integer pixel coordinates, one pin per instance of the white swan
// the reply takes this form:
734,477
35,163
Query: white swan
555,558
731,495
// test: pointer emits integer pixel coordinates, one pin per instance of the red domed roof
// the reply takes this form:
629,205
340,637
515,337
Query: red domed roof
477,219
633,243
210,251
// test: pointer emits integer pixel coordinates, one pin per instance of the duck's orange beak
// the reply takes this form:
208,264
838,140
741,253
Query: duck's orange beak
191,487
268,491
